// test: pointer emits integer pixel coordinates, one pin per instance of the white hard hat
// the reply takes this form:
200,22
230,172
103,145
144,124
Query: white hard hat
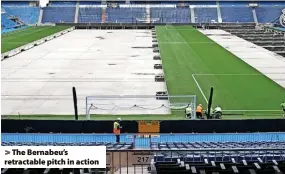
119,118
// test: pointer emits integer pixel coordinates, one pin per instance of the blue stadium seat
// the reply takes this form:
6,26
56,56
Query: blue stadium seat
89,3
125,15
58,14
90,14
237,14
6,23
62,4
28,15
205,15
170,15
266,14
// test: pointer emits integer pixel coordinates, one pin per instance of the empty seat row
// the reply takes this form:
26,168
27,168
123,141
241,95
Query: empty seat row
52,171
218,168
109,146
58,15
195,157
26,14
170,15
199,145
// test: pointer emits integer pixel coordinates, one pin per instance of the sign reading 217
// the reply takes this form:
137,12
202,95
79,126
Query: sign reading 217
282,18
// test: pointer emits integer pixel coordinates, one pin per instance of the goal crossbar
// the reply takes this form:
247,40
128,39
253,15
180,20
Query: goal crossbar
139,104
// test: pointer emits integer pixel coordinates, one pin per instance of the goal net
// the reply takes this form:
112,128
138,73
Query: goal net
139,105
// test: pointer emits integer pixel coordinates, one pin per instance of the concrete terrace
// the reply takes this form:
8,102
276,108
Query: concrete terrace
268,63
96,62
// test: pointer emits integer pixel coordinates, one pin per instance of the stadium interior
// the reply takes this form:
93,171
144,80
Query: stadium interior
71,68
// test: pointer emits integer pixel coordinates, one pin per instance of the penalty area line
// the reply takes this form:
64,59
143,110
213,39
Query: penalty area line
253,110
227,74
200,88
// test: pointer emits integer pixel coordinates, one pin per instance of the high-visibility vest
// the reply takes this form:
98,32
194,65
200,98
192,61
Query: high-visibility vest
116,128
199,109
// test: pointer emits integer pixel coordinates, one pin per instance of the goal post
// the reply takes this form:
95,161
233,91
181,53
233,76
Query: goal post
139,105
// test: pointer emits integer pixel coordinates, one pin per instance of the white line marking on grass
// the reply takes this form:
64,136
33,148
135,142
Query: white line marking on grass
187,42
200,88
253,110
228,74
181,29
193,75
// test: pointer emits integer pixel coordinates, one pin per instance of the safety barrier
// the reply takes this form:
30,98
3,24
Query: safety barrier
165,126
33,44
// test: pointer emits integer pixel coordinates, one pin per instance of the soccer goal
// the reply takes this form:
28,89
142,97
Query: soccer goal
139,105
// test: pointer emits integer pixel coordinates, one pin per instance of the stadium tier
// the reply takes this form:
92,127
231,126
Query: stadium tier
7,23
90,14
170,15
206,15
237,14
125,15
169,12
58,15
28,15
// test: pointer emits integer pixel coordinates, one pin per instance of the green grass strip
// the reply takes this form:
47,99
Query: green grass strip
24,36
185,51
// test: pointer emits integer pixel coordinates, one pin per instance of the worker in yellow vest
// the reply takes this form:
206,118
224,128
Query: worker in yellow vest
117,129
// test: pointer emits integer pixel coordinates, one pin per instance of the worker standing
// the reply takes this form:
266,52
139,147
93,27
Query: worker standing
217,112
117,129
283,107
199,111
188,111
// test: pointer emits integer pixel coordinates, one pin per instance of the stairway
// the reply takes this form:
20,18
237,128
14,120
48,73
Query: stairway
76,12
40,16
148,14
192,13
220,20
16,20
103,18
254,15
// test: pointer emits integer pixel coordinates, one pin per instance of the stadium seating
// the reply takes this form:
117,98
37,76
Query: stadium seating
109,146
170,15
90,14
28,15
14,3
89,3
266,14
217,145
52,171
245,167
62,4
237,14
6,23
205,15
58,14
125,15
